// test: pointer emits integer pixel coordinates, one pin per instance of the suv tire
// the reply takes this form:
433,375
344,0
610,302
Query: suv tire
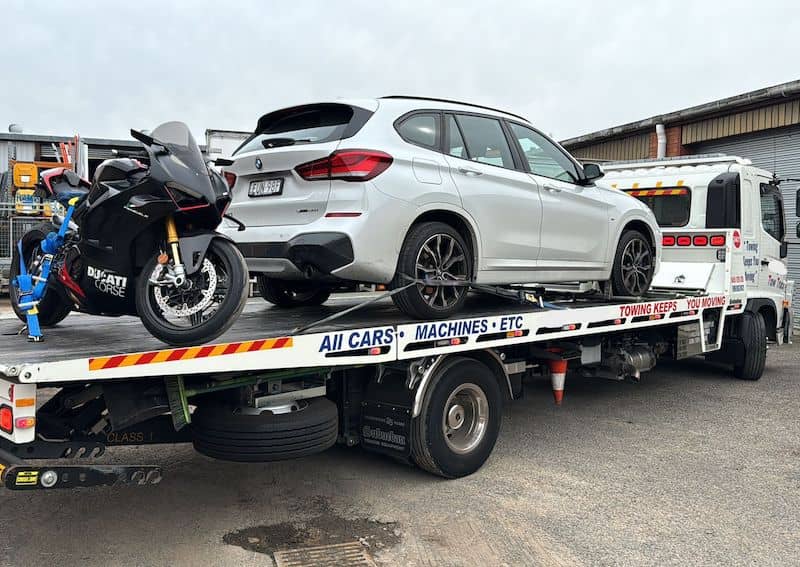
634,265
435,250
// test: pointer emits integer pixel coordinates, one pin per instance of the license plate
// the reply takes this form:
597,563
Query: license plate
266,187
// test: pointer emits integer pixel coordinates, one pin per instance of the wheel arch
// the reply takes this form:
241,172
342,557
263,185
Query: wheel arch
768,311
640,226
488,358
460,222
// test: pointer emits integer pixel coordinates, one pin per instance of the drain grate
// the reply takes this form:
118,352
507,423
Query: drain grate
336,555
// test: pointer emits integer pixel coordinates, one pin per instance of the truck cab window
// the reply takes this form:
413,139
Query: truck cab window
772,211
671,206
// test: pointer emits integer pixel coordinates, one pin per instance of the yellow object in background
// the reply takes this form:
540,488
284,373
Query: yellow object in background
25,175
26,202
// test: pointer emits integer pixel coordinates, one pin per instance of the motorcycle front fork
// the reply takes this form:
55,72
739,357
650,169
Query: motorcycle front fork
177,274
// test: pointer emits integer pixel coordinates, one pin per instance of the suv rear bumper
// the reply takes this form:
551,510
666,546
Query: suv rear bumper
313,255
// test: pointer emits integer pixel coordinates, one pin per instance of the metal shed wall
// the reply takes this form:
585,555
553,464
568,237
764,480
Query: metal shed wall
778,151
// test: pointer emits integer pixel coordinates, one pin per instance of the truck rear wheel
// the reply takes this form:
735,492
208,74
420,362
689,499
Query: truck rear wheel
459,421
753,332
240,434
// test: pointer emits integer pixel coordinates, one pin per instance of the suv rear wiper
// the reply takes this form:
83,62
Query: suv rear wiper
269,143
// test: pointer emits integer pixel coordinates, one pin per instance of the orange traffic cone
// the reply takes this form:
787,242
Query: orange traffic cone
558,372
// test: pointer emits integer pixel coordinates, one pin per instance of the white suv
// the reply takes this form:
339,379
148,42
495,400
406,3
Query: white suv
384,190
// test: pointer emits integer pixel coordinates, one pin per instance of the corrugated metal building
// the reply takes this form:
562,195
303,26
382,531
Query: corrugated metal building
763,126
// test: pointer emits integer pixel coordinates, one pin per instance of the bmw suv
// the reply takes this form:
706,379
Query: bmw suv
405,189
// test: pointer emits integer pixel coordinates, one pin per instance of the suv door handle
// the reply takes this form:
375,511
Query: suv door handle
552,188
468,171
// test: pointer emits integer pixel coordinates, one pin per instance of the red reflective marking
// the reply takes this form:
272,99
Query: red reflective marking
146,357
231,348
280,342
256,345
114,361
176,354
204,352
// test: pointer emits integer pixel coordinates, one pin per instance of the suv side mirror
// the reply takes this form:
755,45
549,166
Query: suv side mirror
592,171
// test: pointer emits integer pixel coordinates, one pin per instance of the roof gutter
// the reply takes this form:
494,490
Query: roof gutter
777,92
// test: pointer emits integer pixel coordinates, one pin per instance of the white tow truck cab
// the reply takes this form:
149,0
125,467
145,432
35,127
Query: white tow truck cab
714,192
427,392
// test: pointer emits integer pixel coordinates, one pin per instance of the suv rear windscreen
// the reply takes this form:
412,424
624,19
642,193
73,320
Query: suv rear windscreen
308,124
671,206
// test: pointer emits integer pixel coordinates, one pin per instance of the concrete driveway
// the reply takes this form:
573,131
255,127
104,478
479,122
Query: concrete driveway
688,467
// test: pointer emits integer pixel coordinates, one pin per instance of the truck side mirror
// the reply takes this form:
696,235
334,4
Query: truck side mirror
798,230
797,208
785,245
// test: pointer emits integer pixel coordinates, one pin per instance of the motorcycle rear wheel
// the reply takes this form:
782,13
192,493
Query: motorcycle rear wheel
165,322
53,307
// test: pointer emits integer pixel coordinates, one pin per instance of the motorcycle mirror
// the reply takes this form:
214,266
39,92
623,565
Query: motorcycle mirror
142,137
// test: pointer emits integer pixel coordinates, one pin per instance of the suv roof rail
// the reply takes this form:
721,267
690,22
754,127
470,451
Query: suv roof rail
675,161
411,97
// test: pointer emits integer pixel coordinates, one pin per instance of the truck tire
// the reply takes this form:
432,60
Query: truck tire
53,307
225,433
753,332
427,251
459,421
634,265
288,294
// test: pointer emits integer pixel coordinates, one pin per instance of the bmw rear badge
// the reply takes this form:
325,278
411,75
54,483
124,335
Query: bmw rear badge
258,163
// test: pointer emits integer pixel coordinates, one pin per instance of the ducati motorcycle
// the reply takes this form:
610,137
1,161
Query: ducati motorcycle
139,240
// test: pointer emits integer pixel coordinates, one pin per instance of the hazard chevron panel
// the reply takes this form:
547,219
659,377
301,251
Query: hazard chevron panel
338,348
656,192
172,355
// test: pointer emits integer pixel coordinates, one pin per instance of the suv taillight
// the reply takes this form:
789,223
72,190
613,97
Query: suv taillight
230,178
347,165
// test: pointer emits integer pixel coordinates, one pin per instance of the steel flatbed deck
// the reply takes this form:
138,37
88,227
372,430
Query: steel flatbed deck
86,348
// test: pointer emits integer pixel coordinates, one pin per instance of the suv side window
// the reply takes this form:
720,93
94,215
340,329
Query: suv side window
543,156
485,140
421,130
455,143
772,211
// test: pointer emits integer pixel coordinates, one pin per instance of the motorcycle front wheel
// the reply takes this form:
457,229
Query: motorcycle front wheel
202,309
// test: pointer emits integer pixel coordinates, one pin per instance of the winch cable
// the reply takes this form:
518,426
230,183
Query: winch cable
526,297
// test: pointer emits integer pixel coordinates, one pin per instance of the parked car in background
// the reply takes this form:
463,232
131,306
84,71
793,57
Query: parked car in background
388,189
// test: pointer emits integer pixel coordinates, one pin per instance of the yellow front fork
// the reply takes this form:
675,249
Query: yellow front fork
172,239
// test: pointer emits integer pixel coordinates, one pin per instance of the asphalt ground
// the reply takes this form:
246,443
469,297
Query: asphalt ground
688,467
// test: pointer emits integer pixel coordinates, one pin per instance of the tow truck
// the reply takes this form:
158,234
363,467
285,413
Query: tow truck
290,383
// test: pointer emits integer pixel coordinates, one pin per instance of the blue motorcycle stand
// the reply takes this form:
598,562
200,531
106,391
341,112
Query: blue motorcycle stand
33,288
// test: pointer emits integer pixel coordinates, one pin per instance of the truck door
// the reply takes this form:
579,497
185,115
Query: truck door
772,273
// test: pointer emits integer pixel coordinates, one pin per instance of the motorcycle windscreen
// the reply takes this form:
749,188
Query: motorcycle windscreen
184,163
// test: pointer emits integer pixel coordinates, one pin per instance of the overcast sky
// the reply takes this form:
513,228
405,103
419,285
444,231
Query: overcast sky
101,67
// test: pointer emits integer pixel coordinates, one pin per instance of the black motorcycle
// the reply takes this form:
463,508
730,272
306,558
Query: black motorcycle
139,240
